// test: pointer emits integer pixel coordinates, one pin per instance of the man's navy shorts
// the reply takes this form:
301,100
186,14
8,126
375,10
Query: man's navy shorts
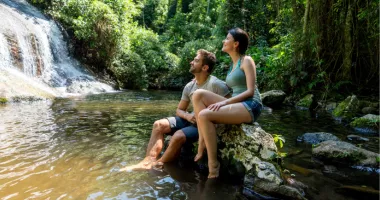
190,130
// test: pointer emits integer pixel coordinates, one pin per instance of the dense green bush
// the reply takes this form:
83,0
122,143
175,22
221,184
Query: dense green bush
130,71
292,42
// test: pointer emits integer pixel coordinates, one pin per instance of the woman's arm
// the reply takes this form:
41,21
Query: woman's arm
249,68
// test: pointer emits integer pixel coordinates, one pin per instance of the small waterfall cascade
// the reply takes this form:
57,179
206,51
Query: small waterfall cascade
34,45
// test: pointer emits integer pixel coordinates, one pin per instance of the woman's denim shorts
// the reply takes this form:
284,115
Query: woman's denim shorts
254,108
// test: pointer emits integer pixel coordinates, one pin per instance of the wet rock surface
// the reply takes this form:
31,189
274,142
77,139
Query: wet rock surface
273,98
346,154
316,138
367,124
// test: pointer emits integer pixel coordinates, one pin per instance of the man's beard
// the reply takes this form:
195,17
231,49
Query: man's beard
194,70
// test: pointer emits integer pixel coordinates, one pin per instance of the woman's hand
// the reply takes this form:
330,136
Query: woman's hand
217,106
191,118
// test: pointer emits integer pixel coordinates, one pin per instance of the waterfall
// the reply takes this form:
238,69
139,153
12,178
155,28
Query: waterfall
34,45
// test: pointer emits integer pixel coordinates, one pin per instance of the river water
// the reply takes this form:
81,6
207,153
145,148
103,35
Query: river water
73,148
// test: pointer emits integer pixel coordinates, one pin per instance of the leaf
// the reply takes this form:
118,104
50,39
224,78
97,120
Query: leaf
281,144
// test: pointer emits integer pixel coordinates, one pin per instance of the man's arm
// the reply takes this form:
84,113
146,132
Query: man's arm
220,87
181,111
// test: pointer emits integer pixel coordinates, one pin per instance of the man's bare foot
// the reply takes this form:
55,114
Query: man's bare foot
145,164
158,165
213,170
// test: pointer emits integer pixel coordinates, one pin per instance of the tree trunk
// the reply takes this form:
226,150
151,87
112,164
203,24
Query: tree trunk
304,31
347,56
306,17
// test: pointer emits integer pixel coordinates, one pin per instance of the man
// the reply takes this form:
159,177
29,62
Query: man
183,125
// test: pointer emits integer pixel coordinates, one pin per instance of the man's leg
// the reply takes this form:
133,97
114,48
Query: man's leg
156,141
187,134
174,148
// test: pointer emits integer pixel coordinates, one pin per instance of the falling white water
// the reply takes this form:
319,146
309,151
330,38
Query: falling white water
34,45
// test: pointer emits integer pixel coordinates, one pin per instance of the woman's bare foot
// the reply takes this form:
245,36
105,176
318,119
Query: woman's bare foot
198,157
213,170
201,149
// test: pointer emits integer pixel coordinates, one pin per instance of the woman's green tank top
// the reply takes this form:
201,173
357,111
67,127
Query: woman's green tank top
237,81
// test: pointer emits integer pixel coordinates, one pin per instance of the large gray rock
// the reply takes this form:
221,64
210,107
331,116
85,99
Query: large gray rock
346,153
253,148
246,151
247,144
368,123
273,98
316,138
347,109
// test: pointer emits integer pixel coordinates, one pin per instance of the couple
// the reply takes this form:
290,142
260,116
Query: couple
213,104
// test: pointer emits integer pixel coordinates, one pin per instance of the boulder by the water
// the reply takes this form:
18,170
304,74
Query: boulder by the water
347,109
306,102
253,148
245,146
246,151
346,154
368,123
273,98
316,138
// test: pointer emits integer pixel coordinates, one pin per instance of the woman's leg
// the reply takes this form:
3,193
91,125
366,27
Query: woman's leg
230,114
200,103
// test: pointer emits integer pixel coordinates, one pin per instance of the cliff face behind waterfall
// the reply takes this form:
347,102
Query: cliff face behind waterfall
34,59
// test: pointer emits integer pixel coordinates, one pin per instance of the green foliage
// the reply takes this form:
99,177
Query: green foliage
279,140
295,49
153,53
130,71
154,14
180,75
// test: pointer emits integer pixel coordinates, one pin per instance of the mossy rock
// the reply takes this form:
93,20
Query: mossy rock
3,100
368,121
345,153
306,102
348,108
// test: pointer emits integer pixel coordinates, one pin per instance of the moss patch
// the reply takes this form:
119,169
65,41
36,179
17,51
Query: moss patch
3,100
306,101
366,122
347,109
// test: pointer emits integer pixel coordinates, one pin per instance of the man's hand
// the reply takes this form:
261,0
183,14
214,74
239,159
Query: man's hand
191,118
217,106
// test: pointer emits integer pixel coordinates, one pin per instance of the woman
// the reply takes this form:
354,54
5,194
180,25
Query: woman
243,107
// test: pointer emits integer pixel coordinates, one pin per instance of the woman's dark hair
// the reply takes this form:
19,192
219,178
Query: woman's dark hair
242,37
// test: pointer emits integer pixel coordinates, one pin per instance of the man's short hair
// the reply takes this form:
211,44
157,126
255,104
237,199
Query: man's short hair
208,58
